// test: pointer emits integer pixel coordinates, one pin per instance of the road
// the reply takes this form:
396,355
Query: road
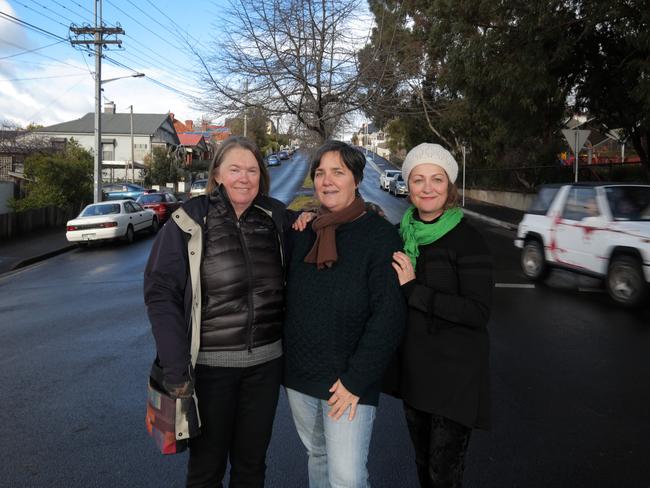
569,370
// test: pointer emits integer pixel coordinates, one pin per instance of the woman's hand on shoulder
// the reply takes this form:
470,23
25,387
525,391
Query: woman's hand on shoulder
340,400
403,266
303,219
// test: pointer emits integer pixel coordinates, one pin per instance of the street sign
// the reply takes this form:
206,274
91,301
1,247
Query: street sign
576,140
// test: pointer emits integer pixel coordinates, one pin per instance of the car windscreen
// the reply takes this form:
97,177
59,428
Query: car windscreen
629,202
151,198
543,200
104,209
199,185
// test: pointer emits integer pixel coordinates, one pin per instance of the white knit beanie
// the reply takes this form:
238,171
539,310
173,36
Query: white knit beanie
433,154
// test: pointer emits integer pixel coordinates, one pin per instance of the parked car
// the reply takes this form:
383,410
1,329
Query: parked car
272,160
118,219
198,187
121,191
597,229
162,203
283,154
386,176
397,186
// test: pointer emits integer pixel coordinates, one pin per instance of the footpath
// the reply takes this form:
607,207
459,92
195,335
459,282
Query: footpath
43,244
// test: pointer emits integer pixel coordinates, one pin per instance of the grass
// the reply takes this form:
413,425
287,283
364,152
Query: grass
305,202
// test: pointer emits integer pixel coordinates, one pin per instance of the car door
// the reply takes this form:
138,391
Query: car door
142,216
577,232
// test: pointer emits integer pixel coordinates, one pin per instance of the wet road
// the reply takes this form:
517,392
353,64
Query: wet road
569,369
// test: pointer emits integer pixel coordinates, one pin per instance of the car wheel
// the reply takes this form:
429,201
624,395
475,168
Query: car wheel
129,236
154,226
533,262
625,281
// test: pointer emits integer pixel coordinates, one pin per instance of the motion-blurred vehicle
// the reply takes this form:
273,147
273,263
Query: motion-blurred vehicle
162,203
119,219
121,191
283,154
198,188
386,176
397,186
597,229
272,160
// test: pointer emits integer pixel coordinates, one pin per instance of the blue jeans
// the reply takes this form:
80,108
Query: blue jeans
337,449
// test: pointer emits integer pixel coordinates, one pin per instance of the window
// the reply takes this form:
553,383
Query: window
629,202
543,200
5,167
108,152
580,204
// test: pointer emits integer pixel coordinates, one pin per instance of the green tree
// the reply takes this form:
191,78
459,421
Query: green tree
616,86
161,167
60,179
491,75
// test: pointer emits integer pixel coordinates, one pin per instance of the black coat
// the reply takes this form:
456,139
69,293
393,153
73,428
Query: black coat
442,366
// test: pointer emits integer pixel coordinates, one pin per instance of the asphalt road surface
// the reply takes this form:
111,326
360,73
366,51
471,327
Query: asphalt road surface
569,371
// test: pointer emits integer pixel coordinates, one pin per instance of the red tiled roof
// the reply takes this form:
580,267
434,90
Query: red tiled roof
190,139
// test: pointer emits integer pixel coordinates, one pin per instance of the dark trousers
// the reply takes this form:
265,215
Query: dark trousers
440,445
237,407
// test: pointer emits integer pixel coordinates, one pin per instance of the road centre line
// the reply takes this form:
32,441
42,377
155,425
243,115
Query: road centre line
514,285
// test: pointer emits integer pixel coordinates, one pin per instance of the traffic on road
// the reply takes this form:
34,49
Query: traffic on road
569,374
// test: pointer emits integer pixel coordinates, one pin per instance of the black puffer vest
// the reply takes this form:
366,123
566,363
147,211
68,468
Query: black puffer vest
242,278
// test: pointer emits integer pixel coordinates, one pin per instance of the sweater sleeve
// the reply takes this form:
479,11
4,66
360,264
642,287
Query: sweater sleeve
471,306
385,326
165,280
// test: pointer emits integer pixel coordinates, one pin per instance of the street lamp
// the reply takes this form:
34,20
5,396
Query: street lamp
97,184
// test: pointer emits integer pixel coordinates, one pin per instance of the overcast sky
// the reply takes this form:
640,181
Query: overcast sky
54,82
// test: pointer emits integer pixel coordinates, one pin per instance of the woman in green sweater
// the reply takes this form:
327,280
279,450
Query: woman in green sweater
345,318
446,275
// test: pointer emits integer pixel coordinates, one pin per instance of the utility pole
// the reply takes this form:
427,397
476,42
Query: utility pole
98,40
132,149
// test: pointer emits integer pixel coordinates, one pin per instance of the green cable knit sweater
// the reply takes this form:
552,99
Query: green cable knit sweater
344,322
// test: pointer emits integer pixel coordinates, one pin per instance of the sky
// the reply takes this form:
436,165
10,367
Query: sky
54,82
45,80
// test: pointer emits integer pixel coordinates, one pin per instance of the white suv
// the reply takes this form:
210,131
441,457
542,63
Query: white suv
386,176
597,229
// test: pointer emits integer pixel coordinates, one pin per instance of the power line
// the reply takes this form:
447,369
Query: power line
32,27
43,55
143,26
27,51
41,14
41,77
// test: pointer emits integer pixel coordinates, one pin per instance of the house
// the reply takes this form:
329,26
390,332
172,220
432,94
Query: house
194,148
123,134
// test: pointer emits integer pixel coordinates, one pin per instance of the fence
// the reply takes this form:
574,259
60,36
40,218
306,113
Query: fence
529,178
18,223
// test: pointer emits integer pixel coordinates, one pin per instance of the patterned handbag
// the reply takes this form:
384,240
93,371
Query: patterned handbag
171,422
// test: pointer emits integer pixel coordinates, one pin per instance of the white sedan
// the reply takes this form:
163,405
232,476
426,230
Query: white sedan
111,220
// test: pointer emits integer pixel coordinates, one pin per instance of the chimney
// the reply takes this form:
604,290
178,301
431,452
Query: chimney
189,124
109,108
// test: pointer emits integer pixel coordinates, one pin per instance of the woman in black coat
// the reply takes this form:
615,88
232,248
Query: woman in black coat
446,275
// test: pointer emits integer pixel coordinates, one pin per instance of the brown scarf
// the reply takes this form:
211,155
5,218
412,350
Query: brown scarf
323,253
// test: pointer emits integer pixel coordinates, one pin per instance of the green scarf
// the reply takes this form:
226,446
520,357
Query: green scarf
416,233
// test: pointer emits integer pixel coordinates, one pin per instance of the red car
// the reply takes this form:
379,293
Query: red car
160,202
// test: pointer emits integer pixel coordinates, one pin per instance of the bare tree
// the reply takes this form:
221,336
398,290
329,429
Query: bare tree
289,57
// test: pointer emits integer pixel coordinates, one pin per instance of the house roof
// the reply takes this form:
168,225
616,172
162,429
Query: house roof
143,124
188,139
